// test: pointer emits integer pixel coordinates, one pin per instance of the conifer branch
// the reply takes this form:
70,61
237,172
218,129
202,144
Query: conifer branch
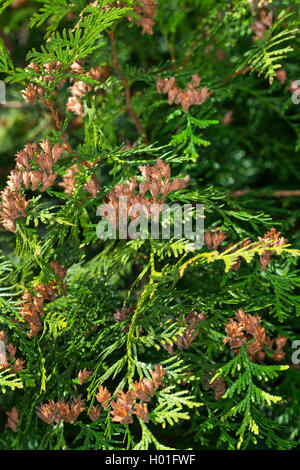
127,89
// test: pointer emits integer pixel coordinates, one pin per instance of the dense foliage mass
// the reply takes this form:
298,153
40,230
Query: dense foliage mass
144,343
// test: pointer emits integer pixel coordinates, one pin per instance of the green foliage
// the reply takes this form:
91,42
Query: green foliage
127,305
245,398
266,57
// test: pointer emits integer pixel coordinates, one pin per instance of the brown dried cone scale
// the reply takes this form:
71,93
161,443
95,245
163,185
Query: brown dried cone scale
273,239
13,203
3,356
122,315
281,75
256,4
48,413
95,413
11,349
80,88
123,407
69,179
13,419
246,327
270,239
55,412
214,239
158,183
32,306
146,11
103,396
12,206
70,412
83,376
263,23
33,91
141,410
143,390
92,186
294,87
18,365
18,3
227,118
218,385
191,322
192,95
